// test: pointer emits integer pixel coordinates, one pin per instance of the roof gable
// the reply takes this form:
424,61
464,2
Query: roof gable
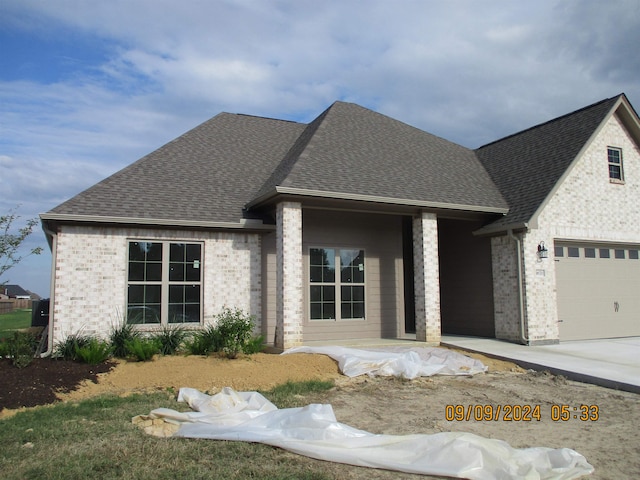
528,165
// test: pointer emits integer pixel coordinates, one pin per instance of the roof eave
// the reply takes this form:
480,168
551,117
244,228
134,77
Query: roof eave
303,192
495,230
243,224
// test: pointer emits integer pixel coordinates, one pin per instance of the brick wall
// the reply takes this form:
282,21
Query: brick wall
91,268
426,278
505,288
585,206
289,281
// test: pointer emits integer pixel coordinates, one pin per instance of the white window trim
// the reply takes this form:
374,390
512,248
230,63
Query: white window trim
337,283
619,181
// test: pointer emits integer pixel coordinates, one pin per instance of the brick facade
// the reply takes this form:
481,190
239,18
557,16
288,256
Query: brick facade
585,206
90,286
289,281
426,278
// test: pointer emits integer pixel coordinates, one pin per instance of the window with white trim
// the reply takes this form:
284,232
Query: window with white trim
164,282
336,284
614,157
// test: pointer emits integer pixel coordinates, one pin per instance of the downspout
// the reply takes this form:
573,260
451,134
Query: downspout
523,338
52,289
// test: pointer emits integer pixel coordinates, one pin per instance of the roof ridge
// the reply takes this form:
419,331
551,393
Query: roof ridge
553,120
281,172
261,117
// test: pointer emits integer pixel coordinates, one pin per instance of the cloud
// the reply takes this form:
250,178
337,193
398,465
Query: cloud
104,83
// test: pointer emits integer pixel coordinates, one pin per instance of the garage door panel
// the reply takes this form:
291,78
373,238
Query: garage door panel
597,297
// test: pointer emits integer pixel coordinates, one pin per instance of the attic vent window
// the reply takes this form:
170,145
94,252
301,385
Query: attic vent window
614,156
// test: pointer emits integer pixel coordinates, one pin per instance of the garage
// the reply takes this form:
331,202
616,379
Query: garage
598,289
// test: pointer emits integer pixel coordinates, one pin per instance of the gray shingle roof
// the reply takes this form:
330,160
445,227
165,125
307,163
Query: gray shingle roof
527,165
206,175
350,149
211,173
14,291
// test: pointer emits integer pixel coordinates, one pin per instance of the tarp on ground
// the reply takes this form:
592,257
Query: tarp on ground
313,431
406,362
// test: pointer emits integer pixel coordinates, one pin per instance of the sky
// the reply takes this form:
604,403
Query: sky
89,86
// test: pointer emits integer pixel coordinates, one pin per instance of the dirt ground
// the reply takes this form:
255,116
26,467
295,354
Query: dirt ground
607,436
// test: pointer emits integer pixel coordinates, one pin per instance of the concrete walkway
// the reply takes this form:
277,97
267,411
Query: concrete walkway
612,363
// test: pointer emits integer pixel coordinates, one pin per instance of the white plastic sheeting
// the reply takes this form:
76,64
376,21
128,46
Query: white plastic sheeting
314,431
398,361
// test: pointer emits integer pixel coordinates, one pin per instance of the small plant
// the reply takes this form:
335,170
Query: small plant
21,347
254,345
94,352
68,347
4,348
234,327
142,349
170,339
204,342
120,335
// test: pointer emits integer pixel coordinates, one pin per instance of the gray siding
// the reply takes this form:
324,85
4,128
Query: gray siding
269,287
381,238
466,282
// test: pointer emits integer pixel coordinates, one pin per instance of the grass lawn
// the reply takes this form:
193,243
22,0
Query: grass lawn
16,320
96,439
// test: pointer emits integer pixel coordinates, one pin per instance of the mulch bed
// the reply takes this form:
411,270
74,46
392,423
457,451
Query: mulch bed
37,383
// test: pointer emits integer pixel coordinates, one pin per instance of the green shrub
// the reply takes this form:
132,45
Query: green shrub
21,347
68,347
170,339
142,349
119,337
234,327
204,342
96,351
254,345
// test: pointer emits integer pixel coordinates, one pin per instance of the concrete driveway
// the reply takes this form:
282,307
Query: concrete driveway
612,362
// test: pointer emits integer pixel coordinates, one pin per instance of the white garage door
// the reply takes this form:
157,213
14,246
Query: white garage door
598,290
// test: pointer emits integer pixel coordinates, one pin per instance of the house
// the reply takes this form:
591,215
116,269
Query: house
15,291
358,226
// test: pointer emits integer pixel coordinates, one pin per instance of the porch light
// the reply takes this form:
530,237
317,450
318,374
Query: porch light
542,251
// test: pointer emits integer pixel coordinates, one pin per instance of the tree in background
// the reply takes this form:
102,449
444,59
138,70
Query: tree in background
10,242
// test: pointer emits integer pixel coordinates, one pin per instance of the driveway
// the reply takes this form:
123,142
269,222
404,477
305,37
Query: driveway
612,362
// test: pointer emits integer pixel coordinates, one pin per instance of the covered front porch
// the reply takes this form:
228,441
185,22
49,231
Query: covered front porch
378,280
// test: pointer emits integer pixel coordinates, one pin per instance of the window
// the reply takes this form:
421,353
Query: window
164,282
559,251
604,253
633,254
615,164
590,252
619,253
573,252
336,278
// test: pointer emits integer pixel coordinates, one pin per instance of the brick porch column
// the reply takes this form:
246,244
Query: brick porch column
289,281
426,278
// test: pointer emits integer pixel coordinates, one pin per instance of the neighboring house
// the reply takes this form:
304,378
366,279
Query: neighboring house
357,226
15,291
